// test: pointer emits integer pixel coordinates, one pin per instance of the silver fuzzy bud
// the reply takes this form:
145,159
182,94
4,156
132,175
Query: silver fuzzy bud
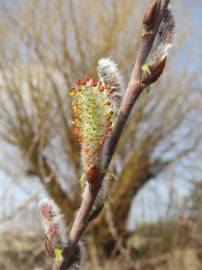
110,75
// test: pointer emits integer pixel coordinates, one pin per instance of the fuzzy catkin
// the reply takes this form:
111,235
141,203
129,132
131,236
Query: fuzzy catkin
93,121
109,73
53,223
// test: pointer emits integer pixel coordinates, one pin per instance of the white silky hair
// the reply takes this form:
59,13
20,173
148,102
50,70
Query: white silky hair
108,71
57,219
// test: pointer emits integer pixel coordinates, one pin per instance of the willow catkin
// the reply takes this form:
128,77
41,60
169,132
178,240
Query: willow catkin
109,73
53,223
93,111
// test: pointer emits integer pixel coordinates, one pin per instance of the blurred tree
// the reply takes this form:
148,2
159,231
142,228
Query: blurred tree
44,47
194,202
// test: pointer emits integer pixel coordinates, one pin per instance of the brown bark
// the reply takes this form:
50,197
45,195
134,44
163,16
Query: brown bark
133,176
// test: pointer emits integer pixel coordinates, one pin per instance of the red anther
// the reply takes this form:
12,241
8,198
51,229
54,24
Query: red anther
83,82
78,82
102,88
92,83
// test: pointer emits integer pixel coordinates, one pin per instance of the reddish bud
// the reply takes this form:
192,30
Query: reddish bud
93,174
151,12
87,78
158,65
78,82
155,71
83,82
102,88
92,83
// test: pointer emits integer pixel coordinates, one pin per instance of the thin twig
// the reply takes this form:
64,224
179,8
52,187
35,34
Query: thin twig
151,23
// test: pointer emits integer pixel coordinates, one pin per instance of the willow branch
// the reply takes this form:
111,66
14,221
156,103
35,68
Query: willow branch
151,23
